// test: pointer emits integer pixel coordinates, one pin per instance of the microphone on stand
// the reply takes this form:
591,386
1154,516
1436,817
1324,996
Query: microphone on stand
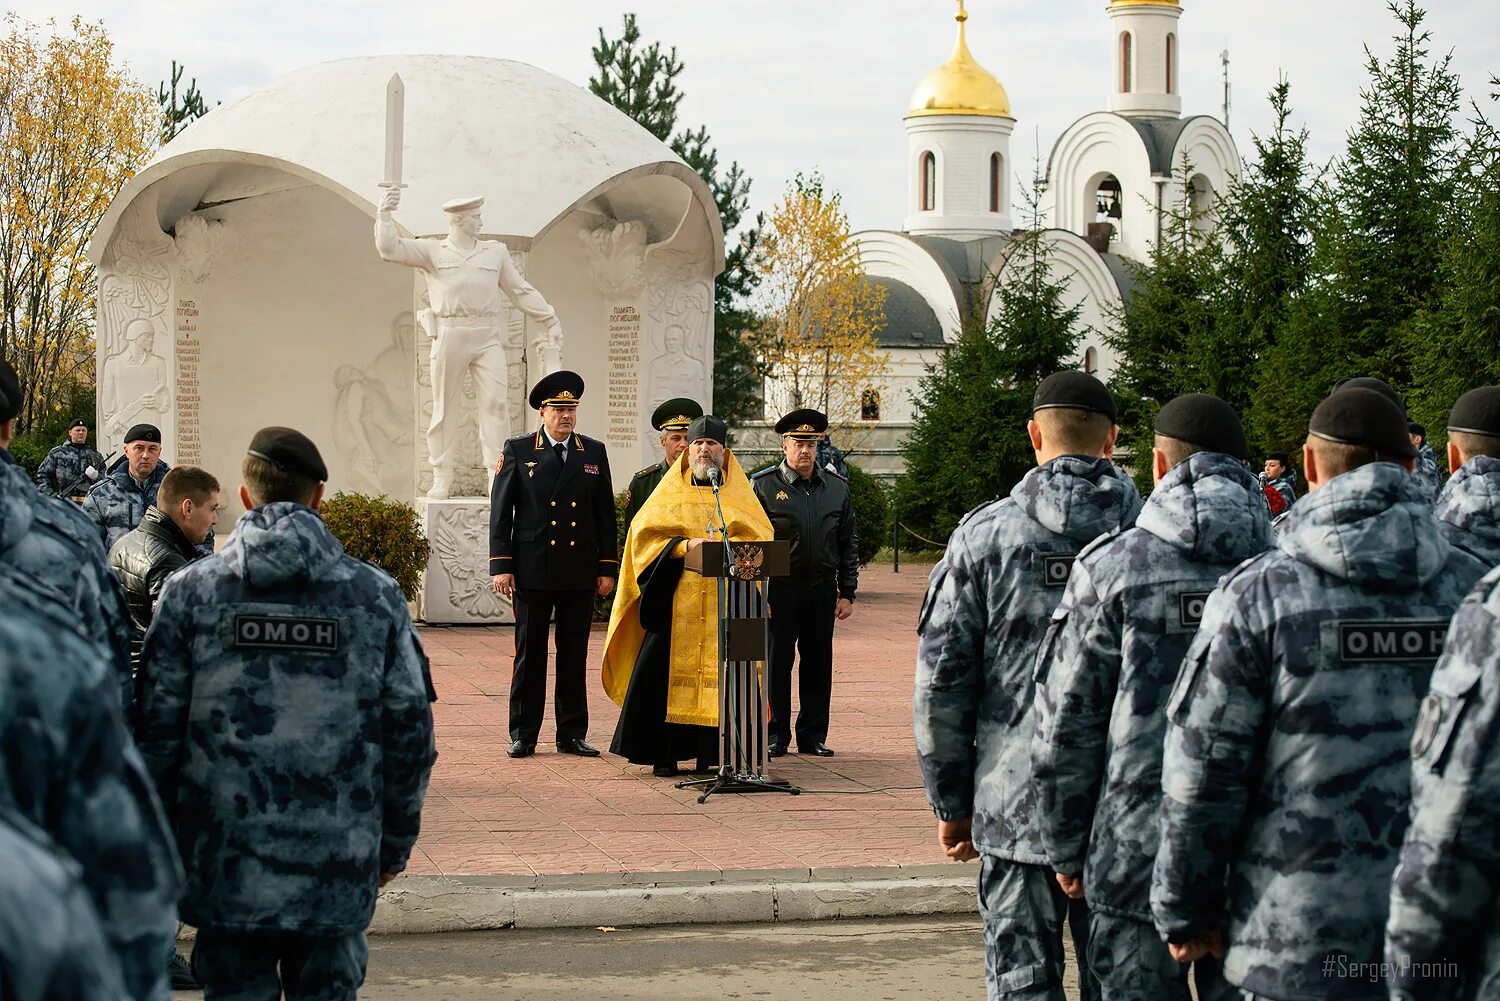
713,477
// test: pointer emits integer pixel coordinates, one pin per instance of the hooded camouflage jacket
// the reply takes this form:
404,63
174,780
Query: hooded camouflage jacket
987,606
1427,473
285,718
1285,777
68,766
1445,898
1107,666
1468,509
52,542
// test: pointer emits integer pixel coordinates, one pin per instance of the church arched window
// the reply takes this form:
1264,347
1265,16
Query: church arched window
1091,360
1127,62
929,182
869,405
1171,63
997,172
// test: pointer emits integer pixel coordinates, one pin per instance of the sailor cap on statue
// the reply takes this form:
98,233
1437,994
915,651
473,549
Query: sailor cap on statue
1364,417
708,426
458,205
10,392
1379,385
1205,421
802,425
1477,412
290,451
675,415
143,432
560,389
1074,391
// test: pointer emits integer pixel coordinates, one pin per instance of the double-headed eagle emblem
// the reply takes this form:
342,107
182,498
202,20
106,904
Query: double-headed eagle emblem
747,561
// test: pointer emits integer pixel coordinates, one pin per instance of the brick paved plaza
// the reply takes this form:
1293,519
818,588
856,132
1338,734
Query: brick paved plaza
552,814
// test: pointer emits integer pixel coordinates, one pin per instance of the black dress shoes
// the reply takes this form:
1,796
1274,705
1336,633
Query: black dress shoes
522,749
577,747
776,749
664,771
817,750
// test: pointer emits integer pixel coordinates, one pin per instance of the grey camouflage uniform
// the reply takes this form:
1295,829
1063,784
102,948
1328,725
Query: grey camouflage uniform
1103,677
987,605
51,945
1285,485
1428,474
1468,509
63,468
1285,777
286,721
51,541
67,764
1443,934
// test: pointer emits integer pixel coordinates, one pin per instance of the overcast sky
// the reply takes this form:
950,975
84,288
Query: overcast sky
789,85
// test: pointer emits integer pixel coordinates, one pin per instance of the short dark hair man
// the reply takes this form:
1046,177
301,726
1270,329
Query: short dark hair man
186,510
286,721
552,548
810,507
72,467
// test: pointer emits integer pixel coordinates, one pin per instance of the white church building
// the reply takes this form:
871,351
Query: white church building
1110,182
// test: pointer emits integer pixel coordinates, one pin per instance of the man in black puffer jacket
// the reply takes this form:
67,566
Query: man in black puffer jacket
186,508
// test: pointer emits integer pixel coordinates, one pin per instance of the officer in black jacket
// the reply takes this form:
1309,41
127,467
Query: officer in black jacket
186,509
552,548
809,506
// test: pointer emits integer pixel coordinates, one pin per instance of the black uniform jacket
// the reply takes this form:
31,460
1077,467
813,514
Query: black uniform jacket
817,517
552,523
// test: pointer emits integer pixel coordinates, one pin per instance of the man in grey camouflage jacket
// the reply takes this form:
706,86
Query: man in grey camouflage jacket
286,720
1468,509
70,469
1103,676
1285,778
1443,934
987,606
1427,472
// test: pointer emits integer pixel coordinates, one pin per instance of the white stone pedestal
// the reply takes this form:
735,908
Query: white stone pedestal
456,587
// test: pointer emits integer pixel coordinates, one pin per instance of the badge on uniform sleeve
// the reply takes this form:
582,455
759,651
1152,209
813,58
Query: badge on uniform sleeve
1428,720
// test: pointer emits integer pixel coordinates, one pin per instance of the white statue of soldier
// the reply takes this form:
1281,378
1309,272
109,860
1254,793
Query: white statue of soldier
465,276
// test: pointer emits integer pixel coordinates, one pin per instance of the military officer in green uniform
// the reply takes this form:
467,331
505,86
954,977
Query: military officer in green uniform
671,419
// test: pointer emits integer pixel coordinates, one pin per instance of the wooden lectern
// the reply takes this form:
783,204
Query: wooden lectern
741,569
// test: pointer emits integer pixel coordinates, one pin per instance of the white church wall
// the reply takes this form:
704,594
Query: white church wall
1206,150
963,145
1095,146
1149,28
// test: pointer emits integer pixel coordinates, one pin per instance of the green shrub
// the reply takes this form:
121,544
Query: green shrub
872,512
29,452
380,531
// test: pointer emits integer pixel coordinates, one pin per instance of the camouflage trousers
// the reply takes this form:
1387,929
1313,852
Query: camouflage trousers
1024,910
260,966
1132,963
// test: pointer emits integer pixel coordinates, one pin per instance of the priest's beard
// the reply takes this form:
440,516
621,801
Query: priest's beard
702,466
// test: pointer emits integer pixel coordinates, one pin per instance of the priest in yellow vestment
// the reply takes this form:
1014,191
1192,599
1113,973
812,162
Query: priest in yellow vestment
661,655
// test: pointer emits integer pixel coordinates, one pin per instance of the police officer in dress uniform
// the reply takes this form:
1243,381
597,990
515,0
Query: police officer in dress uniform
285,718
811,508
1443,934
552,548
1286,777
72,467
671,419
1103,676
1468,509
988,603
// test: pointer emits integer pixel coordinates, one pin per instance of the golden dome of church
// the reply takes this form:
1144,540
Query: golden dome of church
960,86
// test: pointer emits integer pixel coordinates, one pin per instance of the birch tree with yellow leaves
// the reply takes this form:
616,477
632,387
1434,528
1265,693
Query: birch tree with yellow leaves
819,313
74,127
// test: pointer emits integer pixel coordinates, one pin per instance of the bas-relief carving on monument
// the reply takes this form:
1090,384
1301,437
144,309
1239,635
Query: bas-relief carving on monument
372,414
135,321
134,389
458,587
679,313
198,245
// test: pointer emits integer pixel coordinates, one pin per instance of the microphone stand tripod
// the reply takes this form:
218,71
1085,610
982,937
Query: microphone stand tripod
740,710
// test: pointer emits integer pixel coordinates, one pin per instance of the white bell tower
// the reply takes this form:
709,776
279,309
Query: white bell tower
1146,46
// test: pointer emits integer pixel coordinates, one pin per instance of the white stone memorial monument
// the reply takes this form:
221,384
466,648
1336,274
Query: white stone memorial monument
239,286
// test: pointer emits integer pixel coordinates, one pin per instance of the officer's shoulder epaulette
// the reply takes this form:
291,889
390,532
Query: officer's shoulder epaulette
836,474
528,436
587,440
760,473
647,471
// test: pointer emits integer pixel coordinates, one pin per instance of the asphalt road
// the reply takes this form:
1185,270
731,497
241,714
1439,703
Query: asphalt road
916,959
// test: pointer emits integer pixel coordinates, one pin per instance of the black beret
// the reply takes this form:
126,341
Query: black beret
559,389
1379,385
1363,417
709,426
1074,391
1205,421
143,432
1477,412
675,415
803,425
290,451
78,424
10,392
